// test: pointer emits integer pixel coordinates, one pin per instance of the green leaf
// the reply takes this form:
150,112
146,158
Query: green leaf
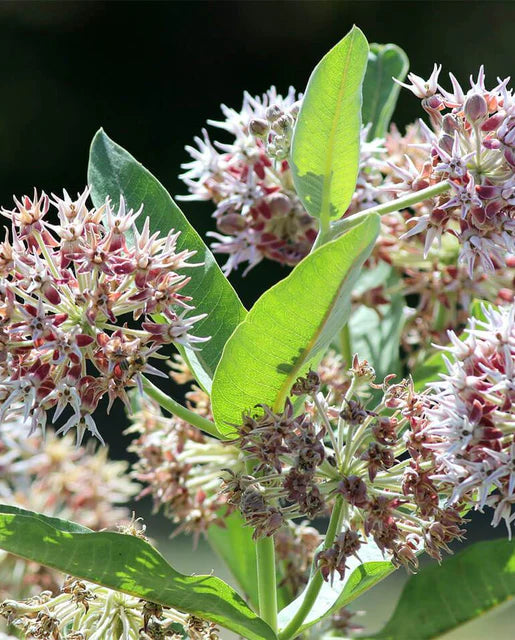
235,546
380,92
375,337
114,172
429,371
289,326
359,577
326,141
126,563
443,598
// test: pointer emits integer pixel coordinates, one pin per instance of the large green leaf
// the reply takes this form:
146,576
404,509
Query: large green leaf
380,92
325,147
114,172
358,578
289,326
443,598
126,563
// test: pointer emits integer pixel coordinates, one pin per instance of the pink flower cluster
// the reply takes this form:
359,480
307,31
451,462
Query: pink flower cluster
69,292
468,424
471,146
258,213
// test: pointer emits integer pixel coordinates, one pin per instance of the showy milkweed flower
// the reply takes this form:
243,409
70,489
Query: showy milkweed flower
68,293
471,146
258,213
468,424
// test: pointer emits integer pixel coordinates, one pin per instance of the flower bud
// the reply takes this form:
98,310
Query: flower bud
273,113
279,204
475,108
258,127
231,223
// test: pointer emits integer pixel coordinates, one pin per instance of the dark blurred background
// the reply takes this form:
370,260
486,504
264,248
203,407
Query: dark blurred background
151,73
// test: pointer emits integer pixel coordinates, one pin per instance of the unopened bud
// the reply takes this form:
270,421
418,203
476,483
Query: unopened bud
283,124
273,113
446,143
258,127
295,108
449,123
279,204
231,223
475,108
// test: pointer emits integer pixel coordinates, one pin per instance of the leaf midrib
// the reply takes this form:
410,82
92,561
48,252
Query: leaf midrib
328,174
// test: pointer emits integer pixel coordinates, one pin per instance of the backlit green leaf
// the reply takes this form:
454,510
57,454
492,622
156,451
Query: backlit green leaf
380,92
326,141
289,326
443,598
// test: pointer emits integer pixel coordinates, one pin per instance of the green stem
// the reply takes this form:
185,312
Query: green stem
176,409
340,226
267,581
315,584
346,345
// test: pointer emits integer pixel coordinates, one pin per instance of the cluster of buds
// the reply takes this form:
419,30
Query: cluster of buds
471,147
467,427
84,611
258,213
53,476
338,450
286,451
68,291
178,465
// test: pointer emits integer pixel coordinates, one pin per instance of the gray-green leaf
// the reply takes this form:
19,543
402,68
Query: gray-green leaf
289,326
443,598
326,141
114,172
380,92
126,563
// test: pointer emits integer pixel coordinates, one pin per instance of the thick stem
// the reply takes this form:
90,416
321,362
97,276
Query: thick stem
171,405
340,226
346,345
315,584
267,581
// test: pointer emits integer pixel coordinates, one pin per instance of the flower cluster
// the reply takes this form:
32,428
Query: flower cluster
57,478
471,147
468,424
179,466
258,213
68,292
340,452
84,611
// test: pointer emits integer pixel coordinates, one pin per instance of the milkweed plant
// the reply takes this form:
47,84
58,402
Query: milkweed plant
345,426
